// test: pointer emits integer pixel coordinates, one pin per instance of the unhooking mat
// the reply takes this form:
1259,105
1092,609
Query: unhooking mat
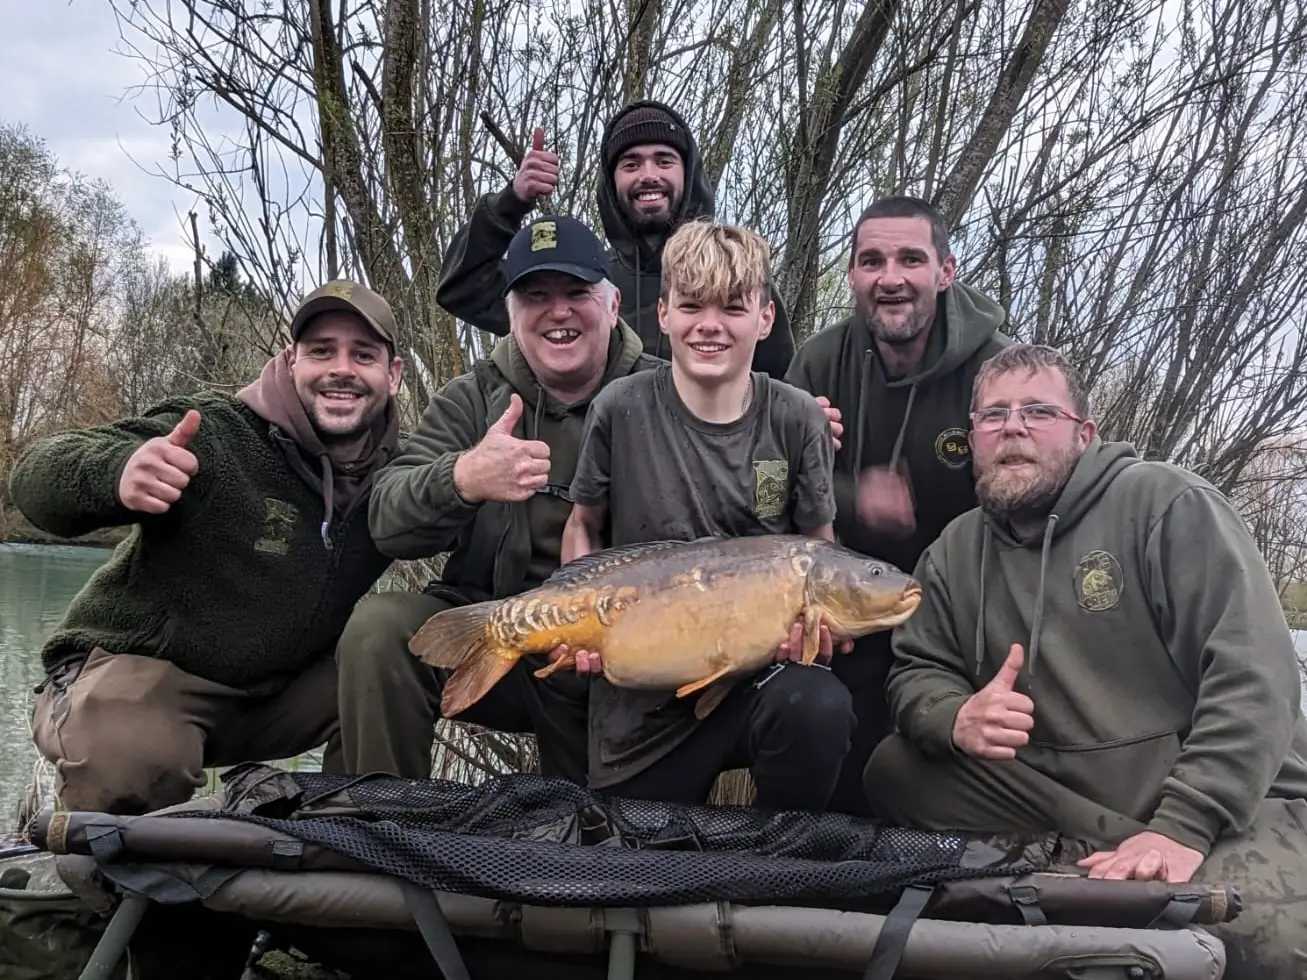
550,866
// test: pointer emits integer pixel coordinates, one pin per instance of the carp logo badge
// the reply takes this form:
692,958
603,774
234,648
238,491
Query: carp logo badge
1098,581
771,479
279,519
952,448
544,235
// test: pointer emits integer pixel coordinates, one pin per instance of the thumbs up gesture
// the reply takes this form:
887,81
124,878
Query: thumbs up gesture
502,467
996,721
538,174
158,472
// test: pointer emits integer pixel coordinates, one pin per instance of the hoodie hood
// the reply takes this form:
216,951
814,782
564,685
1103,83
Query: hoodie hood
696,200
1100,464
272,396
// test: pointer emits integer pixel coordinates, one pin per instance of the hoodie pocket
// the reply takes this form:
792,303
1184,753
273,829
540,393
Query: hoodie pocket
1125,774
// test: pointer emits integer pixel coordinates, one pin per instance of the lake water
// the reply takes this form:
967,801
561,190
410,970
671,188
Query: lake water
36,584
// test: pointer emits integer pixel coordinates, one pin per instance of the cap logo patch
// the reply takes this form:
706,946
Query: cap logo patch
544,235
340,288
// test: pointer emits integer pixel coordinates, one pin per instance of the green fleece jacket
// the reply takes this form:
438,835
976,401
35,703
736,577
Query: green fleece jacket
1163,674
496,549
921,420
248,577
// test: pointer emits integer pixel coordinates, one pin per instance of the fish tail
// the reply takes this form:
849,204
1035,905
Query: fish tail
459,640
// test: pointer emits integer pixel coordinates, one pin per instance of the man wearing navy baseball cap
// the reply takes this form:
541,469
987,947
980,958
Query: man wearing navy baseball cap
486,477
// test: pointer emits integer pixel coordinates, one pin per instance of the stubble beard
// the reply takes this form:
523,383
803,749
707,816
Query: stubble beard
900,331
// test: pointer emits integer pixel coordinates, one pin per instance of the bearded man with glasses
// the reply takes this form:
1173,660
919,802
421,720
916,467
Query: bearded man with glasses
1101,654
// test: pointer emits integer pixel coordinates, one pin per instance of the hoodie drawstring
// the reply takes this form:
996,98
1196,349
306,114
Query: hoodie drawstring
1032,646
328,500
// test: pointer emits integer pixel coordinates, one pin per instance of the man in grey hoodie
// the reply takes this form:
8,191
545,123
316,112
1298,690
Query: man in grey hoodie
898,373
1101,653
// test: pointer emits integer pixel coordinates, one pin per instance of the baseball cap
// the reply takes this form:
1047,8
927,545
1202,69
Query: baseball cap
350,297
557,243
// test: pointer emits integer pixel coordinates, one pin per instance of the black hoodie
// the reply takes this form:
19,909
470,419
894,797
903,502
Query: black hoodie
472,283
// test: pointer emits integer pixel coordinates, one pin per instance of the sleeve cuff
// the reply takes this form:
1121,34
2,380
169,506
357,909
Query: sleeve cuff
445,491
933,729
1177,819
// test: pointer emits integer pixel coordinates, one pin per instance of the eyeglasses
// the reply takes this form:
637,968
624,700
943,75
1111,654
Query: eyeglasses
1032,417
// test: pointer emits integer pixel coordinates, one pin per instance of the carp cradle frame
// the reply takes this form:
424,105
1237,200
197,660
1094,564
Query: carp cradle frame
264,834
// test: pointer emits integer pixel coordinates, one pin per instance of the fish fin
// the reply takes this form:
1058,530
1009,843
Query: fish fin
597,562
470,682
566,660
712,697
699,685
811,634
452,636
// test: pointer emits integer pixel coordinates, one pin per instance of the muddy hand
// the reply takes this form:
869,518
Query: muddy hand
158,472
791,650
538,175
502,467
835,417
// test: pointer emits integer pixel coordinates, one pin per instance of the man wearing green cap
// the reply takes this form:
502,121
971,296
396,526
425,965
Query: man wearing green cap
651,182
486,479
208,637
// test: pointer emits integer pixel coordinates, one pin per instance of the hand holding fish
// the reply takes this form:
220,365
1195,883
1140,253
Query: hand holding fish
158,472
835,416
791,649
502,467
996,721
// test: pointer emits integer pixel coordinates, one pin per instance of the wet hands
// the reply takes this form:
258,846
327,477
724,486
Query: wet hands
885,500
835,417
585,661
791,650
538,174
996,721
158,472
502,467
1145,856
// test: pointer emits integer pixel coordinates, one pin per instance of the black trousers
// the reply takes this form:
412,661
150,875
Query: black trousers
790,726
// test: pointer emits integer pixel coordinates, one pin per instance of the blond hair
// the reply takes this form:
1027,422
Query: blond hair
708,262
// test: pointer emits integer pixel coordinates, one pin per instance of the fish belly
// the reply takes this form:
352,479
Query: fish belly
678,636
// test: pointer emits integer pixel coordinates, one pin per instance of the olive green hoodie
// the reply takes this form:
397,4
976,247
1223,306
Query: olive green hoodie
1163,673
921,420
496,549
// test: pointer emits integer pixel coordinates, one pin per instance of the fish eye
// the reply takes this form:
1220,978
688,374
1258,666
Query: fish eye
877,570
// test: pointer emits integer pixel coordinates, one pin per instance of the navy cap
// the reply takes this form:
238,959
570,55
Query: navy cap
556,243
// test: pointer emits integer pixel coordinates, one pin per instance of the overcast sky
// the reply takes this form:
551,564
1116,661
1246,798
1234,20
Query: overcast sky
65,81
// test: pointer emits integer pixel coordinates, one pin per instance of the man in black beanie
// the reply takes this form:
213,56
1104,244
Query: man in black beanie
651,182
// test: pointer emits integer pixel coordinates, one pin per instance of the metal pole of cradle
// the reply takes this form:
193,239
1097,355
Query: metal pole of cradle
622,925
117,934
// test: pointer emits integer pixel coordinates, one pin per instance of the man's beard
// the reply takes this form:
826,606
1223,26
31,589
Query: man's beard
1012,496
329,427
651,224
898,332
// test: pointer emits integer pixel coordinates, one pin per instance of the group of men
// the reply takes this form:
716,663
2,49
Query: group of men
1099,653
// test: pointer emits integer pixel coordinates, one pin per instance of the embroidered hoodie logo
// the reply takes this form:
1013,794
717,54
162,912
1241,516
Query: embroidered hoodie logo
1098,581
952,449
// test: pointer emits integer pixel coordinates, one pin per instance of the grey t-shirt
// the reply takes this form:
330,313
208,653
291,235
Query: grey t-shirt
665,474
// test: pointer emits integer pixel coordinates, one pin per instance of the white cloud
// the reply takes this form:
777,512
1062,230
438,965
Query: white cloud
66,82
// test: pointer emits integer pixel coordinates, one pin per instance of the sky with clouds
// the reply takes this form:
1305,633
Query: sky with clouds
66,81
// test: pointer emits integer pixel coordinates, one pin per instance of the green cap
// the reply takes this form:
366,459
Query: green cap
350,297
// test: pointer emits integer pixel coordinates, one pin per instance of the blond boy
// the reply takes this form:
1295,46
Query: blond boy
704,446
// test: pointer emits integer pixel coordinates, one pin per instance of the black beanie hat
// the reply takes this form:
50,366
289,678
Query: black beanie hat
645,124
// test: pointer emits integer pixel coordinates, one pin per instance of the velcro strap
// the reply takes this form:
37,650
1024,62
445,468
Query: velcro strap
893,938
433,925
